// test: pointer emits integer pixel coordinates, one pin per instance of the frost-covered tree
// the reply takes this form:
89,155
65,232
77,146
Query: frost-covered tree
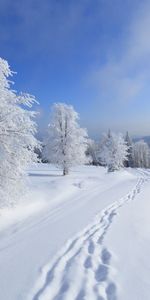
129,161
114,151
141,155
101,148
92,150
17,141
66,142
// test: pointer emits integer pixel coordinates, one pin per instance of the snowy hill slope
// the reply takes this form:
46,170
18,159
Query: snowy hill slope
63,240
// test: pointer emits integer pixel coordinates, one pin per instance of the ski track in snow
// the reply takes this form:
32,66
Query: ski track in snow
82,269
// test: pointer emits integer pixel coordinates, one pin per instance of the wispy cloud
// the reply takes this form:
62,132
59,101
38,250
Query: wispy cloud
124,76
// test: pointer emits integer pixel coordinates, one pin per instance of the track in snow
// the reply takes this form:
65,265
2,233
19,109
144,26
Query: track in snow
82,269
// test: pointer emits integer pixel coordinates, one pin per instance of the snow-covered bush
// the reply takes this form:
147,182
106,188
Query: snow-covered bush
66,142
114,151
141,155
17,141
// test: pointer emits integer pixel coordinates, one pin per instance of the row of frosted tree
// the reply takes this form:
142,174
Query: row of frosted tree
115,151
66,144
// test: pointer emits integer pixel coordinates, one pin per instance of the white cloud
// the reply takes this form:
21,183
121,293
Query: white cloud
124,78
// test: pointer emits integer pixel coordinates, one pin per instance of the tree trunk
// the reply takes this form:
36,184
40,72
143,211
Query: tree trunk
65,171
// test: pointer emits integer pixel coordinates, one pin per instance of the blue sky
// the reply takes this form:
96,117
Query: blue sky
94,55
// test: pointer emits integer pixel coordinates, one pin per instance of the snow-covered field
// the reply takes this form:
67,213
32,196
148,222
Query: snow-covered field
83,236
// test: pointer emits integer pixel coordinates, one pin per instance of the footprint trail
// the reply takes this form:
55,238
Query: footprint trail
82,269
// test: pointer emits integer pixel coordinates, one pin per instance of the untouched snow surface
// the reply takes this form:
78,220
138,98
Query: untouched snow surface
84,236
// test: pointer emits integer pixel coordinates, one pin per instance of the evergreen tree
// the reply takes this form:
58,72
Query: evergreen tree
129,161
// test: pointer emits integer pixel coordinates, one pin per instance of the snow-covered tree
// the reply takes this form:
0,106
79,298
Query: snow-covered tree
101,148
92,150
17,141
66,142
114,151
129,161
141,155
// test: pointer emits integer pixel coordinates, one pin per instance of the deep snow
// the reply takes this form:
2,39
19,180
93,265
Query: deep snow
77,237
